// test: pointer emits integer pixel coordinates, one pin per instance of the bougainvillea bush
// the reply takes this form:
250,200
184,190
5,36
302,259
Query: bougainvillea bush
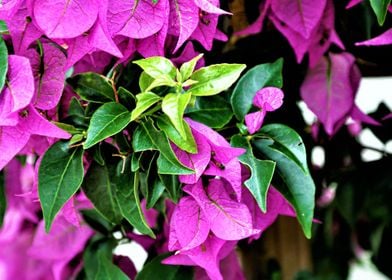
120,121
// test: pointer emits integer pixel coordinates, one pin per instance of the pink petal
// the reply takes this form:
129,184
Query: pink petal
381,40
254,121
329,91
301,16
210,6
51,84
229,220
65,19
19,91
136,18
183,20
268,98
189,223
197,162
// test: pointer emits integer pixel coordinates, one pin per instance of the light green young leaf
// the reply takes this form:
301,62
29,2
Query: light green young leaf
187,144
380,8
215,78
188,67
174,105
293,180
59,177
261,171
109,119
92,87
269,74
158,67
144,101
3,63
145,81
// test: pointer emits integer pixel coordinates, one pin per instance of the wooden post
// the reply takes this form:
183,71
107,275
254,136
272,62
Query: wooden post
282,246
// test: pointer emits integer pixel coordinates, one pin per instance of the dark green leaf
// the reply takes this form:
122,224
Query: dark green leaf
3,199
144,101
147,137
96,221
97,259
173,105
129,202
261,171
214,79
75,108
380,8
126,98
269,74
157,67
92,87
188,67
99,189
165,272
295,183
172,186
213,111
3,63
188,144
109,119
155,192
59,177
107,270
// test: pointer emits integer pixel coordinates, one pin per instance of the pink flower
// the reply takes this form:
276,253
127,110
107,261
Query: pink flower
267,99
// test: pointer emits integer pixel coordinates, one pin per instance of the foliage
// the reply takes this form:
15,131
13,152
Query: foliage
114,128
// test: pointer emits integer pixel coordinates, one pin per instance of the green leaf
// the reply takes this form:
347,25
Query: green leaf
144,101
213,111
293,181
261,171
145,81
172,186
3,63
157,67
269,74
188,67
59,177
97,260
187,144
92,87
108,271
68,128
129,202
155,192
214,79
99,188
126,98
3,27
174,105
147,137
380,8
109,119
75,108
288,141
3,199
165,272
